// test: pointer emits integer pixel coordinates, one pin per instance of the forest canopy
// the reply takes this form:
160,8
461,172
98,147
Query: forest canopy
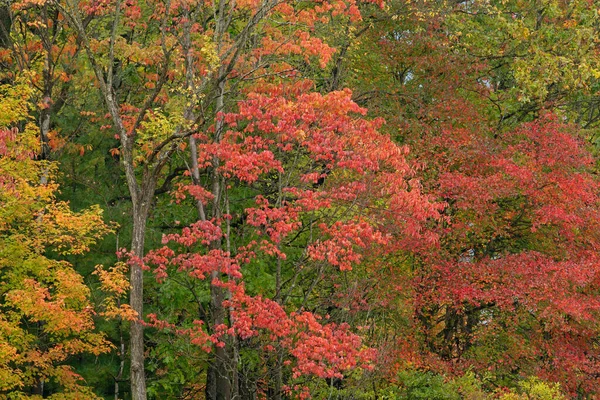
283,199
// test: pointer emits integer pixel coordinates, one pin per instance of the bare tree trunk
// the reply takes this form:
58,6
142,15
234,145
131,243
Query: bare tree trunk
141,209
119,376
221,370
278,372
44,141
46,109
141,195
278,375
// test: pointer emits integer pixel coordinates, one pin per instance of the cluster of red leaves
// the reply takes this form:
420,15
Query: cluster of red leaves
11,147
316,349
297,38
322,350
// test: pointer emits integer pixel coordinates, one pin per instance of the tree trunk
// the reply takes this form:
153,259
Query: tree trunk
221,371
141,209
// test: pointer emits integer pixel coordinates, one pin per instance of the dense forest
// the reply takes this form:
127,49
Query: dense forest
294,199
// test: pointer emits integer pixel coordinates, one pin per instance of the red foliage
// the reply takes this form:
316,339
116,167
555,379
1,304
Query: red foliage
350,185
519,258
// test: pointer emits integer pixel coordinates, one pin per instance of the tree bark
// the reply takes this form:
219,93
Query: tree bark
141,210
221,370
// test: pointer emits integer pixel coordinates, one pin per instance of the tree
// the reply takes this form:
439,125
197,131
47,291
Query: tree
523,237
294,220
46,314
329,190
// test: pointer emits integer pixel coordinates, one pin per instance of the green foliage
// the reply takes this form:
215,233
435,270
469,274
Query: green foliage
414,385
539,52
424,385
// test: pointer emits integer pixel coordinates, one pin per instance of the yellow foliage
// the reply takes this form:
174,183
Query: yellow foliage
535,389
42,297
114,282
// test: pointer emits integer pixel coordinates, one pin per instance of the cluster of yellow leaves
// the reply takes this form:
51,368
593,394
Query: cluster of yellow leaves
156,128
14,102
534,388
207,49
115,284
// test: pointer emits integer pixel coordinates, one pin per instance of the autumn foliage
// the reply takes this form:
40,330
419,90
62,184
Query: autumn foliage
329,165
319,199
46,314
518,255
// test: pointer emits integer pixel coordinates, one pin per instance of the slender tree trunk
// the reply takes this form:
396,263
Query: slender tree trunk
141,199
5,26
196,174
45,117
141,209
278,372
141,191
278,375
222,376
221,371
122,356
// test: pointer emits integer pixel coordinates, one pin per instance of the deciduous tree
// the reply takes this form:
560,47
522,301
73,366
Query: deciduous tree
46,313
